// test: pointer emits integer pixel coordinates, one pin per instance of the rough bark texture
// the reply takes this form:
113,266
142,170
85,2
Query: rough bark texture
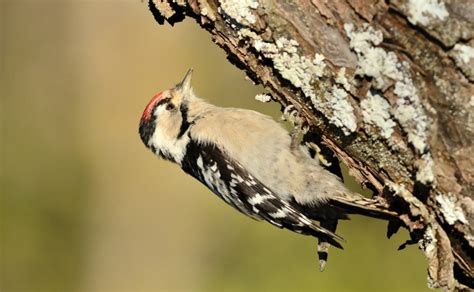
388,85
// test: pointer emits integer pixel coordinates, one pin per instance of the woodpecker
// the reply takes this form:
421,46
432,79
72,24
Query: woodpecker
245,158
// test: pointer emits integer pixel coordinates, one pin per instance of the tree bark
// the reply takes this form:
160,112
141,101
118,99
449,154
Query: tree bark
387,85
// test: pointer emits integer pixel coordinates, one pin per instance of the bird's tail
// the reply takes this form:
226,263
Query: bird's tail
323,245
327,236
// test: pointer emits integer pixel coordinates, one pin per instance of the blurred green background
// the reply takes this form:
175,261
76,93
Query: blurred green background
86,207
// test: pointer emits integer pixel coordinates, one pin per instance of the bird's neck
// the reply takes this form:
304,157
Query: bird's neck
198,107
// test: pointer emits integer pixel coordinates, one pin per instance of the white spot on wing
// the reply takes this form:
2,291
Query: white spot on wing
258,199
250,183
279,214
212,178
236,177
213,181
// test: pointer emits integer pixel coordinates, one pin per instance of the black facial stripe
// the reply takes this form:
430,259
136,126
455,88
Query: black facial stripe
185,123
163,101
147,128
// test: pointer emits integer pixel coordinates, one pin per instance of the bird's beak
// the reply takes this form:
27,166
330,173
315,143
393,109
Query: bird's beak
185,85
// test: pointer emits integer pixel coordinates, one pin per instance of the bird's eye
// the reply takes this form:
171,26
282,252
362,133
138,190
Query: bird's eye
170,107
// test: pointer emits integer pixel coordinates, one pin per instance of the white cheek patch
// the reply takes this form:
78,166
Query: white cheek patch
170,146
166,143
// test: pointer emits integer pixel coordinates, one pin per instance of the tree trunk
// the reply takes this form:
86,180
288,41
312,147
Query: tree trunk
387,85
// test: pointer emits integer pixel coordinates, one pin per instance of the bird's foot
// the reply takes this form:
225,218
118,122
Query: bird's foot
292,115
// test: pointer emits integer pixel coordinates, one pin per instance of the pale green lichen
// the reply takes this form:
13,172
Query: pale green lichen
263,97
246,33
240,10
342,80
425,169
451,211
385,68
336,100
464,52
410,114
302,72
362,40
373,61
299,70
376,111
428,243
425,11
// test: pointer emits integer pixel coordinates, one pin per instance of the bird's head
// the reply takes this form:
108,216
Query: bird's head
166,112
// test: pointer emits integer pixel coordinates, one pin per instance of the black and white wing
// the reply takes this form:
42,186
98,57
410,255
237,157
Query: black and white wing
237,187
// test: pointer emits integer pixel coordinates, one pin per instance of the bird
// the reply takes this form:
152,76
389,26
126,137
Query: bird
247,159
